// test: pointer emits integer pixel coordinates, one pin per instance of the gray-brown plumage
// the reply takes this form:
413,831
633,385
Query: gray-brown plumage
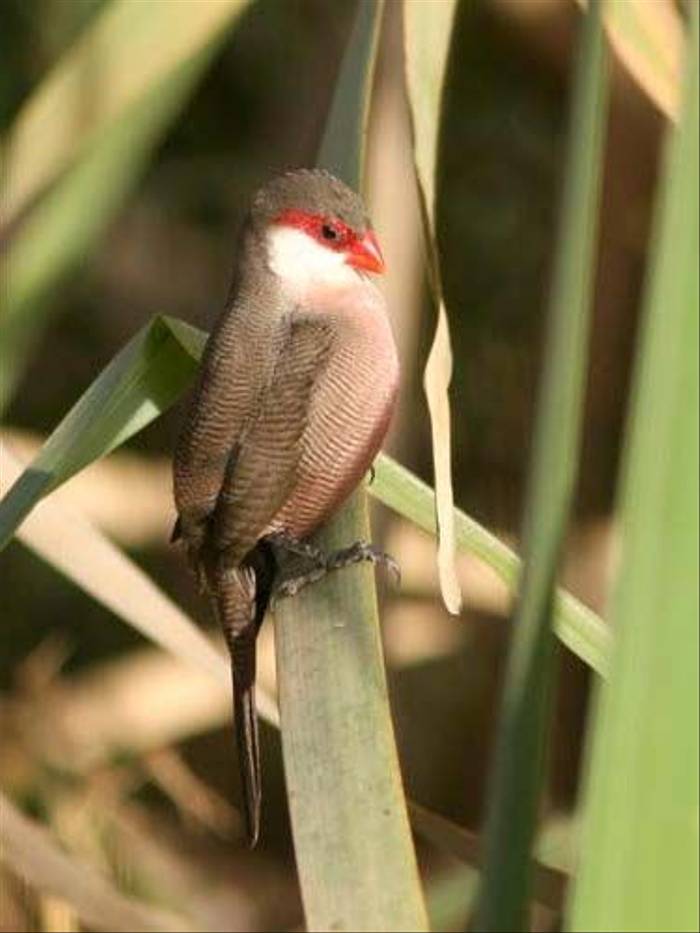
291,404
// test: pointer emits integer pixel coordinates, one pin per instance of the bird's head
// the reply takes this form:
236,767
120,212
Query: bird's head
315,229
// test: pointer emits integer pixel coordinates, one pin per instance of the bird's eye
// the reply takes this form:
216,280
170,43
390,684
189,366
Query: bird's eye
329,233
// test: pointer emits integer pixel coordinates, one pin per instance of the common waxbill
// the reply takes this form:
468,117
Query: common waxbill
291,404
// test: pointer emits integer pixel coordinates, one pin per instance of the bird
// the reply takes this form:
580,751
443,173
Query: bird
290,406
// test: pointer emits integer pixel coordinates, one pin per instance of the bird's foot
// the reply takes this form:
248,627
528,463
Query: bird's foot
360,551
315,565
291,585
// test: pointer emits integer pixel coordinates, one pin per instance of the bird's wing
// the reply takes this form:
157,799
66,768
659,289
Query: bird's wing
262,474
237,366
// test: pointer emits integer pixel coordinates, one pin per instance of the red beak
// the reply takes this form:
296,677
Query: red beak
366,254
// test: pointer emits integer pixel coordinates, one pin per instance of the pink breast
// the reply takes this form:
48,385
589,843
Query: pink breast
349,418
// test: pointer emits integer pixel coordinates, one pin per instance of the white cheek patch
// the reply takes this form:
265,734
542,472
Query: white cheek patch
303,263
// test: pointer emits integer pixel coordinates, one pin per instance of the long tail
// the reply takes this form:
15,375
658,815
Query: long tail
234,599
246,726
241,599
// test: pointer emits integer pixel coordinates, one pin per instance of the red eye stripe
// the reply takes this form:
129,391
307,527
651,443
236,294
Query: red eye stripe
329,231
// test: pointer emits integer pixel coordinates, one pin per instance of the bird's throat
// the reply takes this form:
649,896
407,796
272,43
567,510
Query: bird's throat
303,266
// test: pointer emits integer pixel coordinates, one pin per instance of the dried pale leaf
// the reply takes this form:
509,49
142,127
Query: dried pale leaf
56,914
427,31
28,849
80,551
190,794
127,495
436,381
179,875
103,709
647,37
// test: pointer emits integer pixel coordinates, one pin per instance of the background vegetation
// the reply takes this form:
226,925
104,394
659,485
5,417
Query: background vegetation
554,224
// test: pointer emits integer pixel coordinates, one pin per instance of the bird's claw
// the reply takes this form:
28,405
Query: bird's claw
292,584
361,551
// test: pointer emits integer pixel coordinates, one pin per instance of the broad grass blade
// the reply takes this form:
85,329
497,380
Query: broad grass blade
518,759
345,135
639,865
357,866
143,380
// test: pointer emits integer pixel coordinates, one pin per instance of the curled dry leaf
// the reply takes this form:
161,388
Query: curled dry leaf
427,31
